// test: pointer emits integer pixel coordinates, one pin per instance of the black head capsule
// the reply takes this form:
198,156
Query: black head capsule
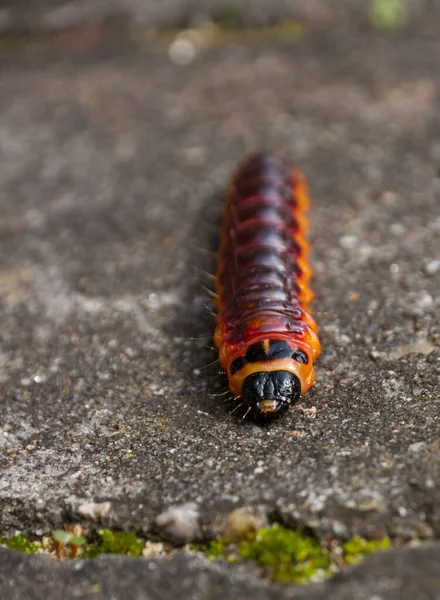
270,392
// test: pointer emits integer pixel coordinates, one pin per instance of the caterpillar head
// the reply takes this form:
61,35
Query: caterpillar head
270,393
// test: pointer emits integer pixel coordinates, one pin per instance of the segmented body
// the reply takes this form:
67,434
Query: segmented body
263,321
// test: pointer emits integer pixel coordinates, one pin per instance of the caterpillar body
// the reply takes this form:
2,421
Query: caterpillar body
266,338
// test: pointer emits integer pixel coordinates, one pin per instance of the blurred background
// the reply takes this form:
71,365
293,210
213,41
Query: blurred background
51,15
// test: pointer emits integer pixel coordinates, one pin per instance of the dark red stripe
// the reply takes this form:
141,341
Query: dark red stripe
258,267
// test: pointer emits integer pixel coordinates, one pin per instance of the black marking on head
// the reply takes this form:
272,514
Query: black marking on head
238,364
300,356
255,352
282,386
279,349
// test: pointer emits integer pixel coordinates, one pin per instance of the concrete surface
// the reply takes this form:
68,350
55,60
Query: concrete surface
111,162
399,575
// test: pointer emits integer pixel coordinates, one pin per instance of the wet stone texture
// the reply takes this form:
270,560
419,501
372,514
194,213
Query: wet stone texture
111,162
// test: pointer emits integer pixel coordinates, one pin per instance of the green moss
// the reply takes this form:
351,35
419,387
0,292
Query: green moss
229,13
21,543
282,554
358,548
286,555
219,549
213,550
387,14
285,31
290,30
290,556
119,542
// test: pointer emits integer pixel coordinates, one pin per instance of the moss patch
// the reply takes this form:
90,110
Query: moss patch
387,14
284,555
358,548
65,545
280,554
115,542
292,556
21,543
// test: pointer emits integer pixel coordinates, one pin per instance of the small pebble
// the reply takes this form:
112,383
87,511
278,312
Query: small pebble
432,267
309,412
240,523
397,229
339,529
180,522
348,241
39,378
151,550
153,300
182,51
417,390
417,447
94,510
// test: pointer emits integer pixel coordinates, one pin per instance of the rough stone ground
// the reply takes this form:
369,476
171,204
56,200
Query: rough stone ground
112,158
403,574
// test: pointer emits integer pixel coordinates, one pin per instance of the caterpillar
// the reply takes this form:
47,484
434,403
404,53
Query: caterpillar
266,337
